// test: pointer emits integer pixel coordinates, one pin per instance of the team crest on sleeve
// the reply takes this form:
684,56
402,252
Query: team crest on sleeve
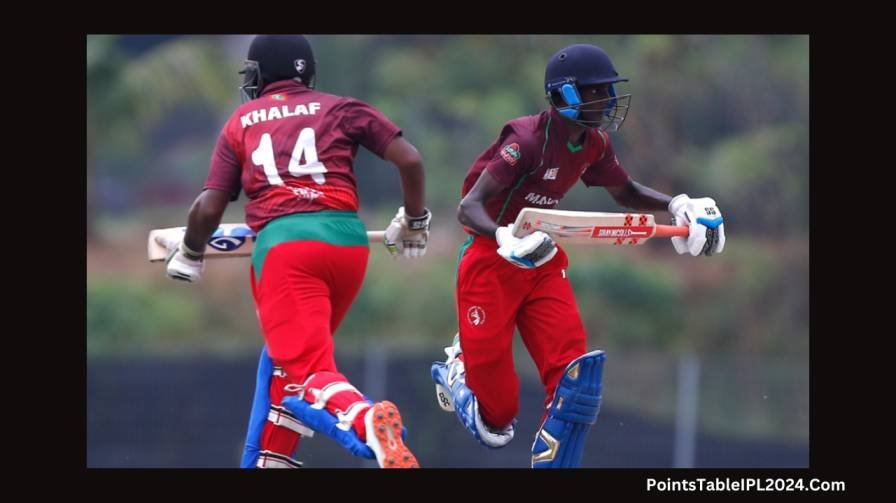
511,153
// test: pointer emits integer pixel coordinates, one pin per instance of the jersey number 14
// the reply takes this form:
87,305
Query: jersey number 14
264,156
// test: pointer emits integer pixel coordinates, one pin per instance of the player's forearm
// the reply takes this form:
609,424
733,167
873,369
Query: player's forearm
472,213
204,217
407,159
641,198
413,187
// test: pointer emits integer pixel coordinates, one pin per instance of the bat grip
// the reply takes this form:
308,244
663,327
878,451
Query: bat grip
669,231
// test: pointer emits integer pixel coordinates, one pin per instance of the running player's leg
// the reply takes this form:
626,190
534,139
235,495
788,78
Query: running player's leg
274,432
550,324
478,380
322,281
554,335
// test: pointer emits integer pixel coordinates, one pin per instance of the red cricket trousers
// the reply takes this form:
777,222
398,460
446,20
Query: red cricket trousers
303,293
493,297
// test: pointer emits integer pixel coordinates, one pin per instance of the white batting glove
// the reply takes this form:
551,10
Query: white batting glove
407,235
183,263
703,217
528,252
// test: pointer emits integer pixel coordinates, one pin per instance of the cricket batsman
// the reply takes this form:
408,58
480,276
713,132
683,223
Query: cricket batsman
505,282
291,149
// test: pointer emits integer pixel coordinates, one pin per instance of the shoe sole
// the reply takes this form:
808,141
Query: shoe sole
385,423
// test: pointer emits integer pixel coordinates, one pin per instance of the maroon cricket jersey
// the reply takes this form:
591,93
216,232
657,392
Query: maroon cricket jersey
292,149
535,179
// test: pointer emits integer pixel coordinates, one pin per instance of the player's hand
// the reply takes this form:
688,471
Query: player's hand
703,217
182,264
528,252
407,235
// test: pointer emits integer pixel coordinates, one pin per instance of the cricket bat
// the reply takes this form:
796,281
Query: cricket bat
228,241
589,227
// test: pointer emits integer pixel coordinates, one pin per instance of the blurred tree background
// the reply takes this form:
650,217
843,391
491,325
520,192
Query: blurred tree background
719,116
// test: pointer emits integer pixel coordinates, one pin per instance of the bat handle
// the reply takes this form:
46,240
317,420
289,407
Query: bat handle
669,231
375,236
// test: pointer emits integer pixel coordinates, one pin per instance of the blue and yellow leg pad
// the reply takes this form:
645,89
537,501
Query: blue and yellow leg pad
561,440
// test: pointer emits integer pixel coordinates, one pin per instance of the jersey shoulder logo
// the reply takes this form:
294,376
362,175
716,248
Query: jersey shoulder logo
511,154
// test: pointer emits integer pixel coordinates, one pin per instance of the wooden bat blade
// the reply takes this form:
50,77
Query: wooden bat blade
591,227
228,241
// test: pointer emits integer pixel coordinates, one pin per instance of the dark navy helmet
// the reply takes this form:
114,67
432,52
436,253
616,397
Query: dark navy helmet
581,65
276,57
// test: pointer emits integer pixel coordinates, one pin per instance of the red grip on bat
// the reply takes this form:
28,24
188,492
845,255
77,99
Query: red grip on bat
668,231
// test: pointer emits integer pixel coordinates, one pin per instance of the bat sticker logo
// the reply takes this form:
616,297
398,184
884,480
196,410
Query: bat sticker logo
620,232
475,316
232,241
226,243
